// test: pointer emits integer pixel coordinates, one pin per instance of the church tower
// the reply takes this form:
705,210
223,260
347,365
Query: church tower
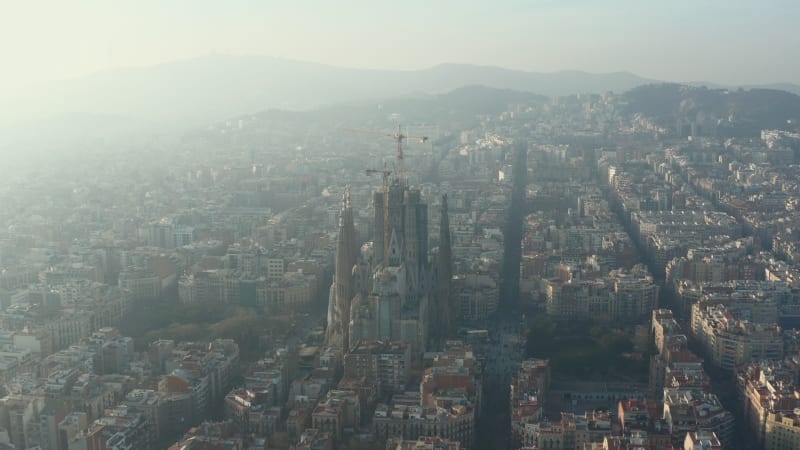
342,289
445,311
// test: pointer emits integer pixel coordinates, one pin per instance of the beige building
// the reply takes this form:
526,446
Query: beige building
574,431
291,291
340,410
142,284
389,362
476,295
664,326
634,296
782,431
577,298
454,422
701,440
423,443
19,415
69,329
730,342
767,389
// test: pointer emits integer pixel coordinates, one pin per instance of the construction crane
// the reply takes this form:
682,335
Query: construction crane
385,174
398,137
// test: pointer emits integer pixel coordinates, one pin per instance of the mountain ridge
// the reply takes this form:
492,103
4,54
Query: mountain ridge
214,87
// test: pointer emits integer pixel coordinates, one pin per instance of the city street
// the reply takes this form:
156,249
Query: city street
506,350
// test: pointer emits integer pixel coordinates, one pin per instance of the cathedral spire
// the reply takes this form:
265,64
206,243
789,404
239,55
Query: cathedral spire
342,288
445,313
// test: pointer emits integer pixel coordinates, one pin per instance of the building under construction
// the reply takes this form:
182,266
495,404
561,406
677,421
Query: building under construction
392,288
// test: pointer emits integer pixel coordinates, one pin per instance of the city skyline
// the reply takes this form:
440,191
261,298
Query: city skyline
354,225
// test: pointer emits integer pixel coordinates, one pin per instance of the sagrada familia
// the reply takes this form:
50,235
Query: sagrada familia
392,288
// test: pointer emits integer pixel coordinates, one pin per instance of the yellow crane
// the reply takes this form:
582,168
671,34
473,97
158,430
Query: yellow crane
398,137
385,174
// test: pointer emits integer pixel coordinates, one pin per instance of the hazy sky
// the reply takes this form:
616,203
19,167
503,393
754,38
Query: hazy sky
727,41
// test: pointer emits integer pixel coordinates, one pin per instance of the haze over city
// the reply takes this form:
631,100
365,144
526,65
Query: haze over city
728,42
445,225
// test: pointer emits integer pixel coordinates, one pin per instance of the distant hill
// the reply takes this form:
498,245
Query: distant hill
458,106
450,76
733,112
210,88
717,112
788,87
185,94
